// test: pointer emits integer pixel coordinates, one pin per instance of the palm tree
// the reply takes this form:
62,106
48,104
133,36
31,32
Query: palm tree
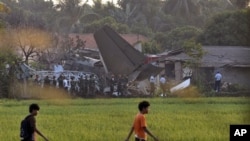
70,12
183,8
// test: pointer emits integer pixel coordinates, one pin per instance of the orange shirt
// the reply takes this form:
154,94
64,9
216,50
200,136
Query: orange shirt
139,123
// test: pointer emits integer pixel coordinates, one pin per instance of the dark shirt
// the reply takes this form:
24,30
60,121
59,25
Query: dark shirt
32,122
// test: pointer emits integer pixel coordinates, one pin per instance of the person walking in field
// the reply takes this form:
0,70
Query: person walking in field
28,125
140,125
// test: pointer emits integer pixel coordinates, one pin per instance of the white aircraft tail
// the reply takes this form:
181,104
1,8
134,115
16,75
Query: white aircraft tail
180,86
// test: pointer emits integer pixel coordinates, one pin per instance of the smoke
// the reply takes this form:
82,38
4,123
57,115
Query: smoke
34,91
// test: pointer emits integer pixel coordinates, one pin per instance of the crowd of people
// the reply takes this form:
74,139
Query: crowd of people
86,84
118,84
83,85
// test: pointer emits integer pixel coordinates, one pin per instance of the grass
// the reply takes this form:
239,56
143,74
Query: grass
170,119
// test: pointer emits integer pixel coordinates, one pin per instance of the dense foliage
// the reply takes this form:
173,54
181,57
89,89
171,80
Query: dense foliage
229,28
169,24
147,17
7,60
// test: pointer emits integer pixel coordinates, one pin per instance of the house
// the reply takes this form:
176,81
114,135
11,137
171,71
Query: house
133,39
232,61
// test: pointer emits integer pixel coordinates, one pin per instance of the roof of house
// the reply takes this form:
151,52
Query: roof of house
91,43
219,56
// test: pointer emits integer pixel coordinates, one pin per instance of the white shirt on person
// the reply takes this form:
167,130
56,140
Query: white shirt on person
65,83
152,79
218,76
162,80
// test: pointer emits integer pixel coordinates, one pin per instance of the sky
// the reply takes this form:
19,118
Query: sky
91,2
104,1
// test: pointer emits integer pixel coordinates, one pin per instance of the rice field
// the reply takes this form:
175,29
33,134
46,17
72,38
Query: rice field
170,119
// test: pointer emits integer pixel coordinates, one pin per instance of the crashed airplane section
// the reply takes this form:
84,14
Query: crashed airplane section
119,57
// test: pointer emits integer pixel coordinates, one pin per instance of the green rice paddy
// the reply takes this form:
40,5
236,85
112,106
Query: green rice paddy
170,119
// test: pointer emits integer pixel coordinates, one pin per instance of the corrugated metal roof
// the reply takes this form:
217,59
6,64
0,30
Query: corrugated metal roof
218,56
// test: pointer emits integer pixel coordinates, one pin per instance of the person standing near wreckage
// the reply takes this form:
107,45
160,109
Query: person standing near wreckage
217,84
163,85
112,84
152,84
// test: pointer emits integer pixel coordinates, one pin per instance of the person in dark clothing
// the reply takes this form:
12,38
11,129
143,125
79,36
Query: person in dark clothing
124,84
46,81
33,109
54,81
92,85
82,85
112,84
119,85
60,81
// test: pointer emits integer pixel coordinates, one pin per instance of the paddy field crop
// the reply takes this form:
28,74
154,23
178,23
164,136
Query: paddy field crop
170,119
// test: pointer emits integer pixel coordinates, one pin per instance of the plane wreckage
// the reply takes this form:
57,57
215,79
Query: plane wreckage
118,58
121,58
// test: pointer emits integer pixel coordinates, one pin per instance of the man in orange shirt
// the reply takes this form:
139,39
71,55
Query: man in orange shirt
140,125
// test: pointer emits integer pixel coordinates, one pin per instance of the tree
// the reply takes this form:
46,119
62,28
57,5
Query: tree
31,42
151,47
184,8
33,13
228,28
132,11
104,10
4,8
7,61
94,26
196,12
125,14
241,3
195,51
70,13
175,38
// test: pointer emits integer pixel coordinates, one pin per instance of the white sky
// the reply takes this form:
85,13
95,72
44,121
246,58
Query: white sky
91,2
104,1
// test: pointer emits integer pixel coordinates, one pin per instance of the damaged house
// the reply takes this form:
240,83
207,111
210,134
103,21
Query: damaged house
232,61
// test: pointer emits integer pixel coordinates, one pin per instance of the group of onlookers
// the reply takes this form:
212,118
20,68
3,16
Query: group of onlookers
83,85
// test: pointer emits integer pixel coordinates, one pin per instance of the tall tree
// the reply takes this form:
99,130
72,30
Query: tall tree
70,12
176,38
241,3
183,8
133,11
31,42
97,24
229,28
29,13
7,59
